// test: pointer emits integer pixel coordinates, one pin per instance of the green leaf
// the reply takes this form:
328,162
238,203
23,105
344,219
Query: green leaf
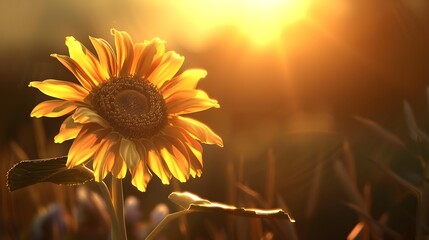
193,202
185,199
54,170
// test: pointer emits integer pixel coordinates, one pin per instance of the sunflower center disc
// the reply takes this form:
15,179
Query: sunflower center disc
132,102
134,107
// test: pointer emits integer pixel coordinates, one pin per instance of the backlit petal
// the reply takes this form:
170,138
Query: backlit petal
189,101
103,163
185,81
129,153
119,169
86,60
148,55
141,176
69,129
84,146
155,162
172,153
193,147
53,108
197,129
157,59
167,68
138,52
106,55
84,115
124,51
77,71
105,157
61,89
140,173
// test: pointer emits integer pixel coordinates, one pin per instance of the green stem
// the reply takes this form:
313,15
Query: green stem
165,221
110,209
118,204
114,232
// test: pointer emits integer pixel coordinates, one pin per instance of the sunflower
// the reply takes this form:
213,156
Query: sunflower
126,114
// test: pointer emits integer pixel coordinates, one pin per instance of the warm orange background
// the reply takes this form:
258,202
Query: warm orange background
289,81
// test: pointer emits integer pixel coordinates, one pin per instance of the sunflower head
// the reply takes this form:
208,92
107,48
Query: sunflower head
126,113
133,107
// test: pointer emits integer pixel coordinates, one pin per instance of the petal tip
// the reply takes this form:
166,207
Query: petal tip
113,31
70,39
56,140
32,84
140,186
33,113
69,163
165,181
182,180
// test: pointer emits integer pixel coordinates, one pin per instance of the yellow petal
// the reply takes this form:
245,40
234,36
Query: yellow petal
105,157
61,89
160,51
124,51
84,146
185,81
138,52
68,130
174,157
186,138
53,108
157,59
197,129
86,60
103,161
168,67
84,115
155,162
119,169
106,55
193,148
77,71
148,55
103,164
189,101
141,174
129,153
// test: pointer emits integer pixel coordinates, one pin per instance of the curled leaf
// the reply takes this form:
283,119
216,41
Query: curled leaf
185,199
193,202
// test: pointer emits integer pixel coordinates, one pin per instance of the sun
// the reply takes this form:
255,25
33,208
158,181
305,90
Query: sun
262,21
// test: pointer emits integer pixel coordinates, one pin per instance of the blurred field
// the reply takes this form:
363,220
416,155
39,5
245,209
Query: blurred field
312,119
